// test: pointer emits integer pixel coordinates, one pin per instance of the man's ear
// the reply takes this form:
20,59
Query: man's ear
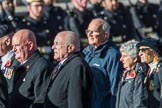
105,34
71,48
135,60
30,45
28,7
8,41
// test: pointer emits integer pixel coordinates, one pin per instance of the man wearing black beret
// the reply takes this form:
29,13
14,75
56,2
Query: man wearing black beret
6,55
150,52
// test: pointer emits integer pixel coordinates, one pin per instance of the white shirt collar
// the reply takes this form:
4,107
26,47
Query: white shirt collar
152,66
61,62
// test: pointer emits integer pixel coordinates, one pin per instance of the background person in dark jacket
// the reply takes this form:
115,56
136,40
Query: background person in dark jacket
147,14
159,20
103,57
7,13
78,19
71,82
120,20
132,92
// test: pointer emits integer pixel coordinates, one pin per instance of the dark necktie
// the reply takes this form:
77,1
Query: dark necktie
53,76
55,71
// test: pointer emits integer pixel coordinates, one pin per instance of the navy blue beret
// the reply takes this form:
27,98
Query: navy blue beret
153,43
5,29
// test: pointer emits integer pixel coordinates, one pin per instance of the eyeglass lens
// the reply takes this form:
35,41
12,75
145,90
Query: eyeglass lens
143,49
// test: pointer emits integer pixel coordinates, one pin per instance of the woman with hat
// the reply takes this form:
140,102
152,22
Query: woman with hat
150,53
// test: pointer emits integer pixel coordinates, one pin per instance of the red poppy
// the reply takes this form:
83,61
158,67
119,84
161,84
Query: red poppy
132,74
8,63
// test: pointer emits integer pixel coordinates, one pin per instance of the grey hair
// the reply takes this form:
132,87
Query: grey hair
130,48
72,38
106,27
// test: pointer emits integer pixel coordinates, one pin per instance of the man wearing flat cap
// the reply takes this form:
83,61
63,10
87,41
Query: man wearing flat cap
150,52
7,62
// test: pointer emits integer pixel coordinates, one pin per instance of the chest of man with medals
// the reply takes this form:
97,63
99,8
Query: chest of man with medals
8,69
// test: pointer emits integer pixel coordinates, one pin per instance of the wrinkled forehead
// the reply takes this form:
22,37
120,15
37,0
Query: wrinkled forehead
58,38
19,37
95,25
16,39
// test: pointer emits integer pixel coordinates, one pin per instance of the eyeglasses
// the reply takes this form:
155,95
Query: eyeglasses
144,49
91,32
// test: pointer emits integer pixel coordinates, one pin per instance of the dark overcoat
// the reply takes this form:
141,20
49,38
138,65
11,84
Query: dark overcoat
29,81
71,87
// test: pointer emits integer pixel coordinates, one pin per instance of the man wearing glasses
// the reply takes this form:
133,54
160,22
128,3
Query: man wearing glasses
150,52
103,57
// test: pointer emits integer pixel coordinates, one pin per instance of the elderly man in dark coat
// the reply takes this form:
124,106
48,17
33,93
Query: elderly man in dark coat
30,79
71,81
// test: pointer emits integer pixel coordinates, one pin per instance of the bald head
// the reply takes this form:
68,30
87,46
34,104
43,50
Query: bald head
97,32
25,35
65,43
70,38
24,44
100,24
